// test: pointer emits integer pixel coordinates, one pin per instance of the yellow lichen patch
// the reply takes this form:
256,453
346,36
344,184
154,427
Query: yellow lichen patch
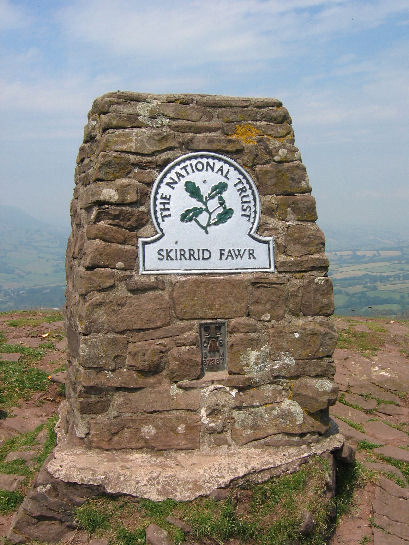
246,133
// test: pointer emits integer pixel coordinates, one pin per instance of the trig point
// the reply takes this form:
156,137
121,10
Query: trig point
198,301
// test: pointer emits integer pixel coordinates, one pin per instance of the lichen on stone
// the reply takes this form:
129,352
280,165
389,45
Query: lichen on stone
246,133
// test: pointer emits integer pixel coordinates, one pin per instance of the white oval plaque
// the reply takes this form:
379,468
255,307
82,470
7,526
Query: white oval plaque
206,210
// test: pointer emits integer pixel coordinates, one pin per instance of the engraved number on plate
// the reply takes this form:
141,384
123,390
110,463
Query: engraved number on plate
213,345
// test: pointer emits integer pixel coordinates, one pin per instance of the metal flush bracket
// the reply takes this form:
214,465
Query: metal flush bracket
213,345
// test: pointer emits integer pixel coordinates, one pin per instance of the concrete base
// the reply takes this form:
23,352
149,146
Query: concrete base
181,475
72,475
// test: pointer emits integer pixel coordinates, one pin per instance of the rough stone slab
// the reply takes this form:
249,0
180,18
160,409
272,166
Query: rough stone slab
155,535
383,467
392,507
393,452
398,529
182,476
361,401
382,538
393,489
26,455
385,433
392,410
10,482
226,297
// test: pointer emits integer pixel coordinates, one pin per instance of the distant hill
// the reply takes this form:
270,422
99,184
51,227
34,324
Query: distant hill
369,266
349,237
32,255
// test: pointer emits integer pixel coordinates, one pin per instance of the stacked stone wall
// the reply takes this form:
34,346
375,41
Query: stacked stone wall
135,378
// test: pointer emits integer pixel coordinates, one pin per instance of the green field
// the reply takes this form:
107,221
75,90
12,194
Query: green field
371,283
32,257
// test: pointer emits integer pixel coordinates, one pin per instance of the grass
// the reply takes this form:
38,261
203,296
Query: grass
367,445
27,441
21,378
367,343
365,539
342,400
129,537
379,400
271,512
399,427
9,501
90,518
351,423
402,466
48,318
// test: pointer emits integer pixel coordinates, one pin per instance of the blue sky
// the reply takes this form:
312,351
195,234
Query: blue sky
339,66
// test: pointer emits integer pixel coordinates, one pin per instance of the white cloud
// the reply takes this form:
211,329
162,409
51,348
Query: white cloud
222,30
11,16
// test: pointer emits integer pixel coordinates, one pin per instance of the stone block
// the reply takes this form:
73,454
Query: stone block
220,101
314,394
105,254
145,283
242,348
119,378
290,208
121,216
317,296
121,121
256,423
208,298
304,239
166,332
155,535
165,397
182,111
283,350
145,176
250,131
116,313
106,351
95,280
268,301
195,127
178,430
141,141
282,179
110,233
92,404
301,264
303,339
242,325
147,356
295,289
261,395
239,114
185,363
122,191
110,166
210,142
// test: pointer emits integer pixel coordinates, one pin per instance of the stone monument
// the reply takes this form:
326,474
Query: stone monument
198,300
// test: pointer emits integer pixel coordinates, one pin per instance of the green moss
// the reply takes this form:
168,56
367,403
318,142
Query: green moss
90,518
402,466
129,537
34,322
351,423
367,343
366,445
9,501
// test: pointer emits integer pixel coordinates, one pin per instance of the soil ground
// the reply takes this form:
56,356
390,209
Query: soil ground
372,361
